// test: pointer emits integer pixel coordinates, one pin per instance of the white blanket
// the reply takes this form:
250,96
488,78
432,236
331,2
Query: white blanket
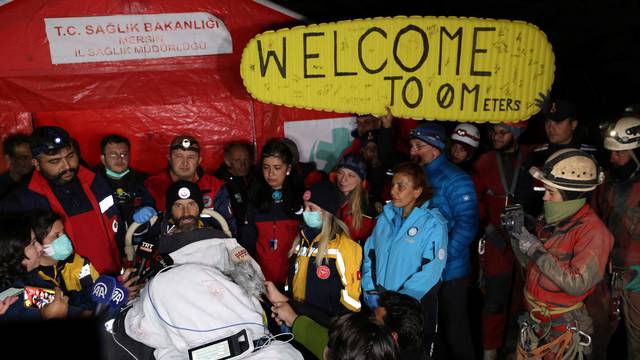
196,295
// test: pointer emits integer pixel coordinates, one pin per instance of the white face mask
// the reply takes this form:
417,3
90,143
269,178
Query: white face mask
313,219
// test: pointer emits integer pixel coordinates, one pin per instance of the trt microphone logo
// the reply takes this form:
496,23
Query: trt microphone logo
145,246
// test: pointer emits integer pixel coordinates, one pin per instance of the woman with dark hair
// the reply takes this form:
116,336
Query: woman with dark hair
14,238
407,250
355,209
274,213
20,254
60,266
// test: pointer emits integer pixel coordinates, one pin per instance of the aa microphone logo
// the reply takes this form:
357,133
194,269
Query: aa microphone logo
118,296
100,290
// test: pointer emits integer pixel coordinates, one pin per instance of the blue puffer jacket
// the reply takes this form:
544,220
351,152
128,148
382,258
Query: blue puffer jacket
408,256
455,197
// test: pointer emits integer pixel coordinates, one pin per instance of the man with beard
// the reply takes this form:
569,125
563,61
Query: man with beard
617,203
82,199
455,197
184,205
501,180
184,164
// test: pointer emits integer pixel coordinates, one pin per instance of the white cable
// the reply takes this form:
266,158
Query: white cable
274,338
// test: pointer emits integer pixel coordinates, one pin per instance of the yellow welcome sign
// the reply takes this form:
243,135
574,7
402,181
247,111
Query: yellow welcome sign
443,68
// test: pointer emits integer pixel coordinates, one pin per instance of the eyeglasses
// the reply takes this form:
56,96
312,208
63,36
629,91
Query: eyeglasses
465,133
115,156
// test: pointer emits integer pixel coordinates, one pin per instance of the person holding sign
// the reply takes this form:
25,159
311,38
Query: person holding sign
455,197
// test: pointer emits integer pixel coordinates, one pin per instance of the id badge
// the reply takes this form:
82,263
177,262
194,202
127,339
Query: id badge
273,244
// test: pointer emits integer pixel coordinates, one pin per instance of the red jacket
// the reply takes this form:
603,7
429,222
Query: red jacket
368,223
94,233
269,237
618,204
491,194
159,183
577,251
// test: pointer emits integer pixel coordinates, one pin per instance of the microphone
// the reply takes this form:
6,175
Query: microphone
159,262
119,297
143,256
102,292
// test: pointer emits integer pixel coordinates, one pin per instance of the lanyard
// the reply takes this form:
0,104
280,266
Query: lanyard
509,190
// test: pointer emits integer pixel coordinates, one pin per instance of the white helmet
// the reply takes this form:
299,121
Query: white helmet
468,134
623,134
570,169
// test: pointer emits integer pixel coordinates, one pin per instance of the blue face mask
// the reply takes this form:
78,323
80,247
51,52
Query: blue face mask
313,219
115,175
60,248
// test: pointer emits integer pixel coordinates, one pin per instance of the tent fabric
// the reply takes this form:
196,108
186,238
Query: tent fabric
149,101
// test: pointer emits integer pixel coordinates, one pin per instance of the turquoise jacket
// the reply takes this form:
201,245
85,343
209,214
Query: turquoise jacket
406,256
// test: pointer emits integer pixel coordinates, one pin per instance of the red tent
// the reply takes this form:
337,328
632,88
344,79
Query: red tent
149,100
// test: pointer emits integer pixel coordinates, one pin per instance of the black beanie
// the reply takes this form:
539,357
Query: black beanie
325,195
183,189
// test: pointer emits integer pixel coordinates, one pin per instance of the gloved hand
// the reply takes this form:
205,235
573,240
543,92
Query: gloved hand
144,214
527,242
634,284
372,300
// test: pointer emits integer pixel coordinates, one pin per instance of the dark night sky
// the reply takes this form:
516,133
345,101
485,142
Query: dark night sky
596,43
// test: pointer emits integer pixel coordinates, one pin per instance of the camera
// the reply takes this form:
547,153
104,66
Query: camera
512,218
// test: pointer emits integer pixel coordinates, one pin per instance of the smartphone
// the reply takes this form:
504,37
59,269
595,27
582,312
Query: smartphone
36,297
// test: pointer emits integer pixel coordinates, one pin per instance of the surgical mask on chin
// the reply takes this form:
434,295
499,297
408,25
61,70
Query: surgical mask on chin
115,175
313,219
60,248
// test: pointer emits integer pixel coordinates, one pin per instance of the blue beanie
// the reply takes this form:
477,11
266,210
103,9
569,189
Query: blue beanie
355,163
432,134
514,128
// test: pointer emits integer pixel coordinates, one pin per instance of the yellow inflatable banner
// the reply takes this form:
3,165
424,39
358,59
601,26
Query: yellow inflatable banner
443,68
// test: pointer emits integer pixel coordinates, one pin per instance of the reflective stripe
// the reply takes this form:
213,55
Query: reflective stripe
349,300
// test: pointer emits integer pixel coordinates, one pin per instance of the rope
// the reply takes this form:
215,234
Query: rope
568,345
547,311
